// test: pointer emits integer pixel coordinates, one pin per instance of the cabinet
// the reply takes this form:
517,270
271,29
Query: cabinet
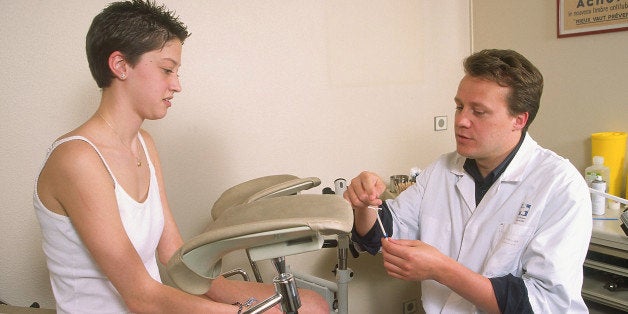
606,265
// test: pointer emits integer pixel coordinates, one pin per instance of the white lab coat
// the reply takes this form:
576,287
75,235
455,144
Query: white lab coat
534,222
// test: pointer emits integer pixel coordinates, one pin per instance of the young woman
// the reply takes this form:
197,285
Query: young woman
100,196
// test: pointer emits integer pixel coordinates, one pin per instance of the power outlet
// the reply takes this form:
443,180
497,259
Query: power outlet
411,306
440,123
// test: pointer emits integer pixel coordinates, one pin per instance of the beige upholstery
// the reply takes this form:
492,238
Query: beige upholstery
264,187
287,221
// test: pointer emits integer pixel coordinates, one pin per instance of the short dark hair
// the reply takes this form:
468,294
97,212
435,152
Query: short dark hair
508,68
133,28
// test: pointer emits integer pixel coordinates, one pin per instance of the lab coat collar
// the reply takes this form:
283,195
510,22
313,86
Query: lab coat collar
515,170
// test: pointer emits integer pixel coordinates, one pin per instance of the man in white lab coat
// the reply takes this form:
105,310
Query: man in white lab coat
500,225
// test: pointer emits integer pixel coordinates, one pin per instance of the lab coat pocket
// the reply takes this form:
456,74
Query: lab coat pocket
506,251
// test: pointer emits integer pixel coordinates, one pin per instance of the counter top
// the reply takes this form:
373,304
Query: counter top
607,230
25,310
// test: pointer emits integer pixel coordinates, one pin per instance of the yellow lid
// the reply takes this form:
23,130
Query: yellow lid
609,136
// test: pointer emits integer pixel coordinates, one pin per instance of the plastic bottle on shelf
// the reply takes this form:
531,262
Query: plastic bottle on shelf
598,202
597,169
414,172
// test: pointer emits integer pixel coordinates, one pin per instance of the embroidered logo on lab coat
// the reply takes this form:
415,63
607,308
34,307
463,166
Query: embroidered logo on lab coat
523,213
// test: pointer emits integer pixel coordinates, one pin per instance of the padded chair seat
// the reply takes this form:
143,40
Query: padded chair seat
264,187
267,221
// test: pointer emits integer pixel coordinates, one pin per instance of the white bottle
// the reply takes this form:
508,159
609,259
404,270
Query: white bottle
598,202
414,172
597,169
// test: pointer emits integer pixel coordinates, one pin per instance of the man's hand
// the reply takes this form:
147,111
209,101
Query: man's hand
415,260
411,260
365,190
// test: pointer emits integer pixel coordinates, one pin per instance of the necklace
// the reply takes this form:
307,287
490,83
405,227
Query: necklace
137,158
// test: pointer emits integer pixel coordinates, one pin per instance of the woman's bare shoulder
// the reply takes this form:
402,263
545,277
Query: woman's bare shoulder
76,155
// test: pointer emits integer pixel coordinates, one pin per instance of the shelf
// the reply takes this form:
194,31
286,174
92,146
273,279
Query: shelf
606,261
605,267
608,250
593,289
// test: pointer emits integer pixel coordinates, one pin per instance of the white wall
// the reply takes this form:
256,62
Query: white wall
311,88
585,76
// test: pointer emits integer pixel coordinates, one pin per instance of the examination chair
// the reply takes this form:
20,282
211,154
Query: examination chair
270,219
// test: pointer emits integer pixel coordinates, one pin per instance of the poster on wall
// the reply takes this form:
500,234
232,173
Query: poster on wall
584,17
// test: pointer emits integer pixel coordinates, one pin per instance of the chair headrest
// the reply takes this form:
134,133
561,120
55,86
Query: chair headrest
259,188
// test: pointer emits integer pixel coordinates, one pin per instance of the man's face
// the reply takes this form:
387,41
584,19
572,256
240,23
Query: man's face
485,130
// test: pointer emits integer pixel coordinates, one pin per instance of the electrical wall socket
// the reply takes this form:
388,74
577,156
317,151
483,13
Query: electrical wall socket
411,306
440,123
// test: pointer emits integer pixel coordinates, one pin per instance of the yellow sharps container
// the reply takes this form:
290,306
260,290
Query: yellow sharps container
611,146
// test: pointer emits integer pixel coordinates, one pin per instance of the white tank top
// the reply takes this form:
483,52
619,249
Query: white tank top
77,282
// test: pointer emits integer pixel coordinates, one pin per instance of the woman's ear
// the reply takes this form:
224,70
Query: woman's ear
118,65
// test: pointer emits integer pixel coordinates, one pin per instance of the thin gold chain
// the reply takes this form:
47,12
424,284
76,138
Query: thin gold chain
137,158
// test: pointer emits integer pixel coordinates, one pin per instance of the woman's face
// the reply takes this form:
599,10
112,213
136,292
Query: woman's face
154,80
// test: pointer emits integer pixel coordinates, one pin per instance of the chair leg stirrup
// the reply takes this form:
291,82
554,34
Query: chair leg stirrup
256,272
286,295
